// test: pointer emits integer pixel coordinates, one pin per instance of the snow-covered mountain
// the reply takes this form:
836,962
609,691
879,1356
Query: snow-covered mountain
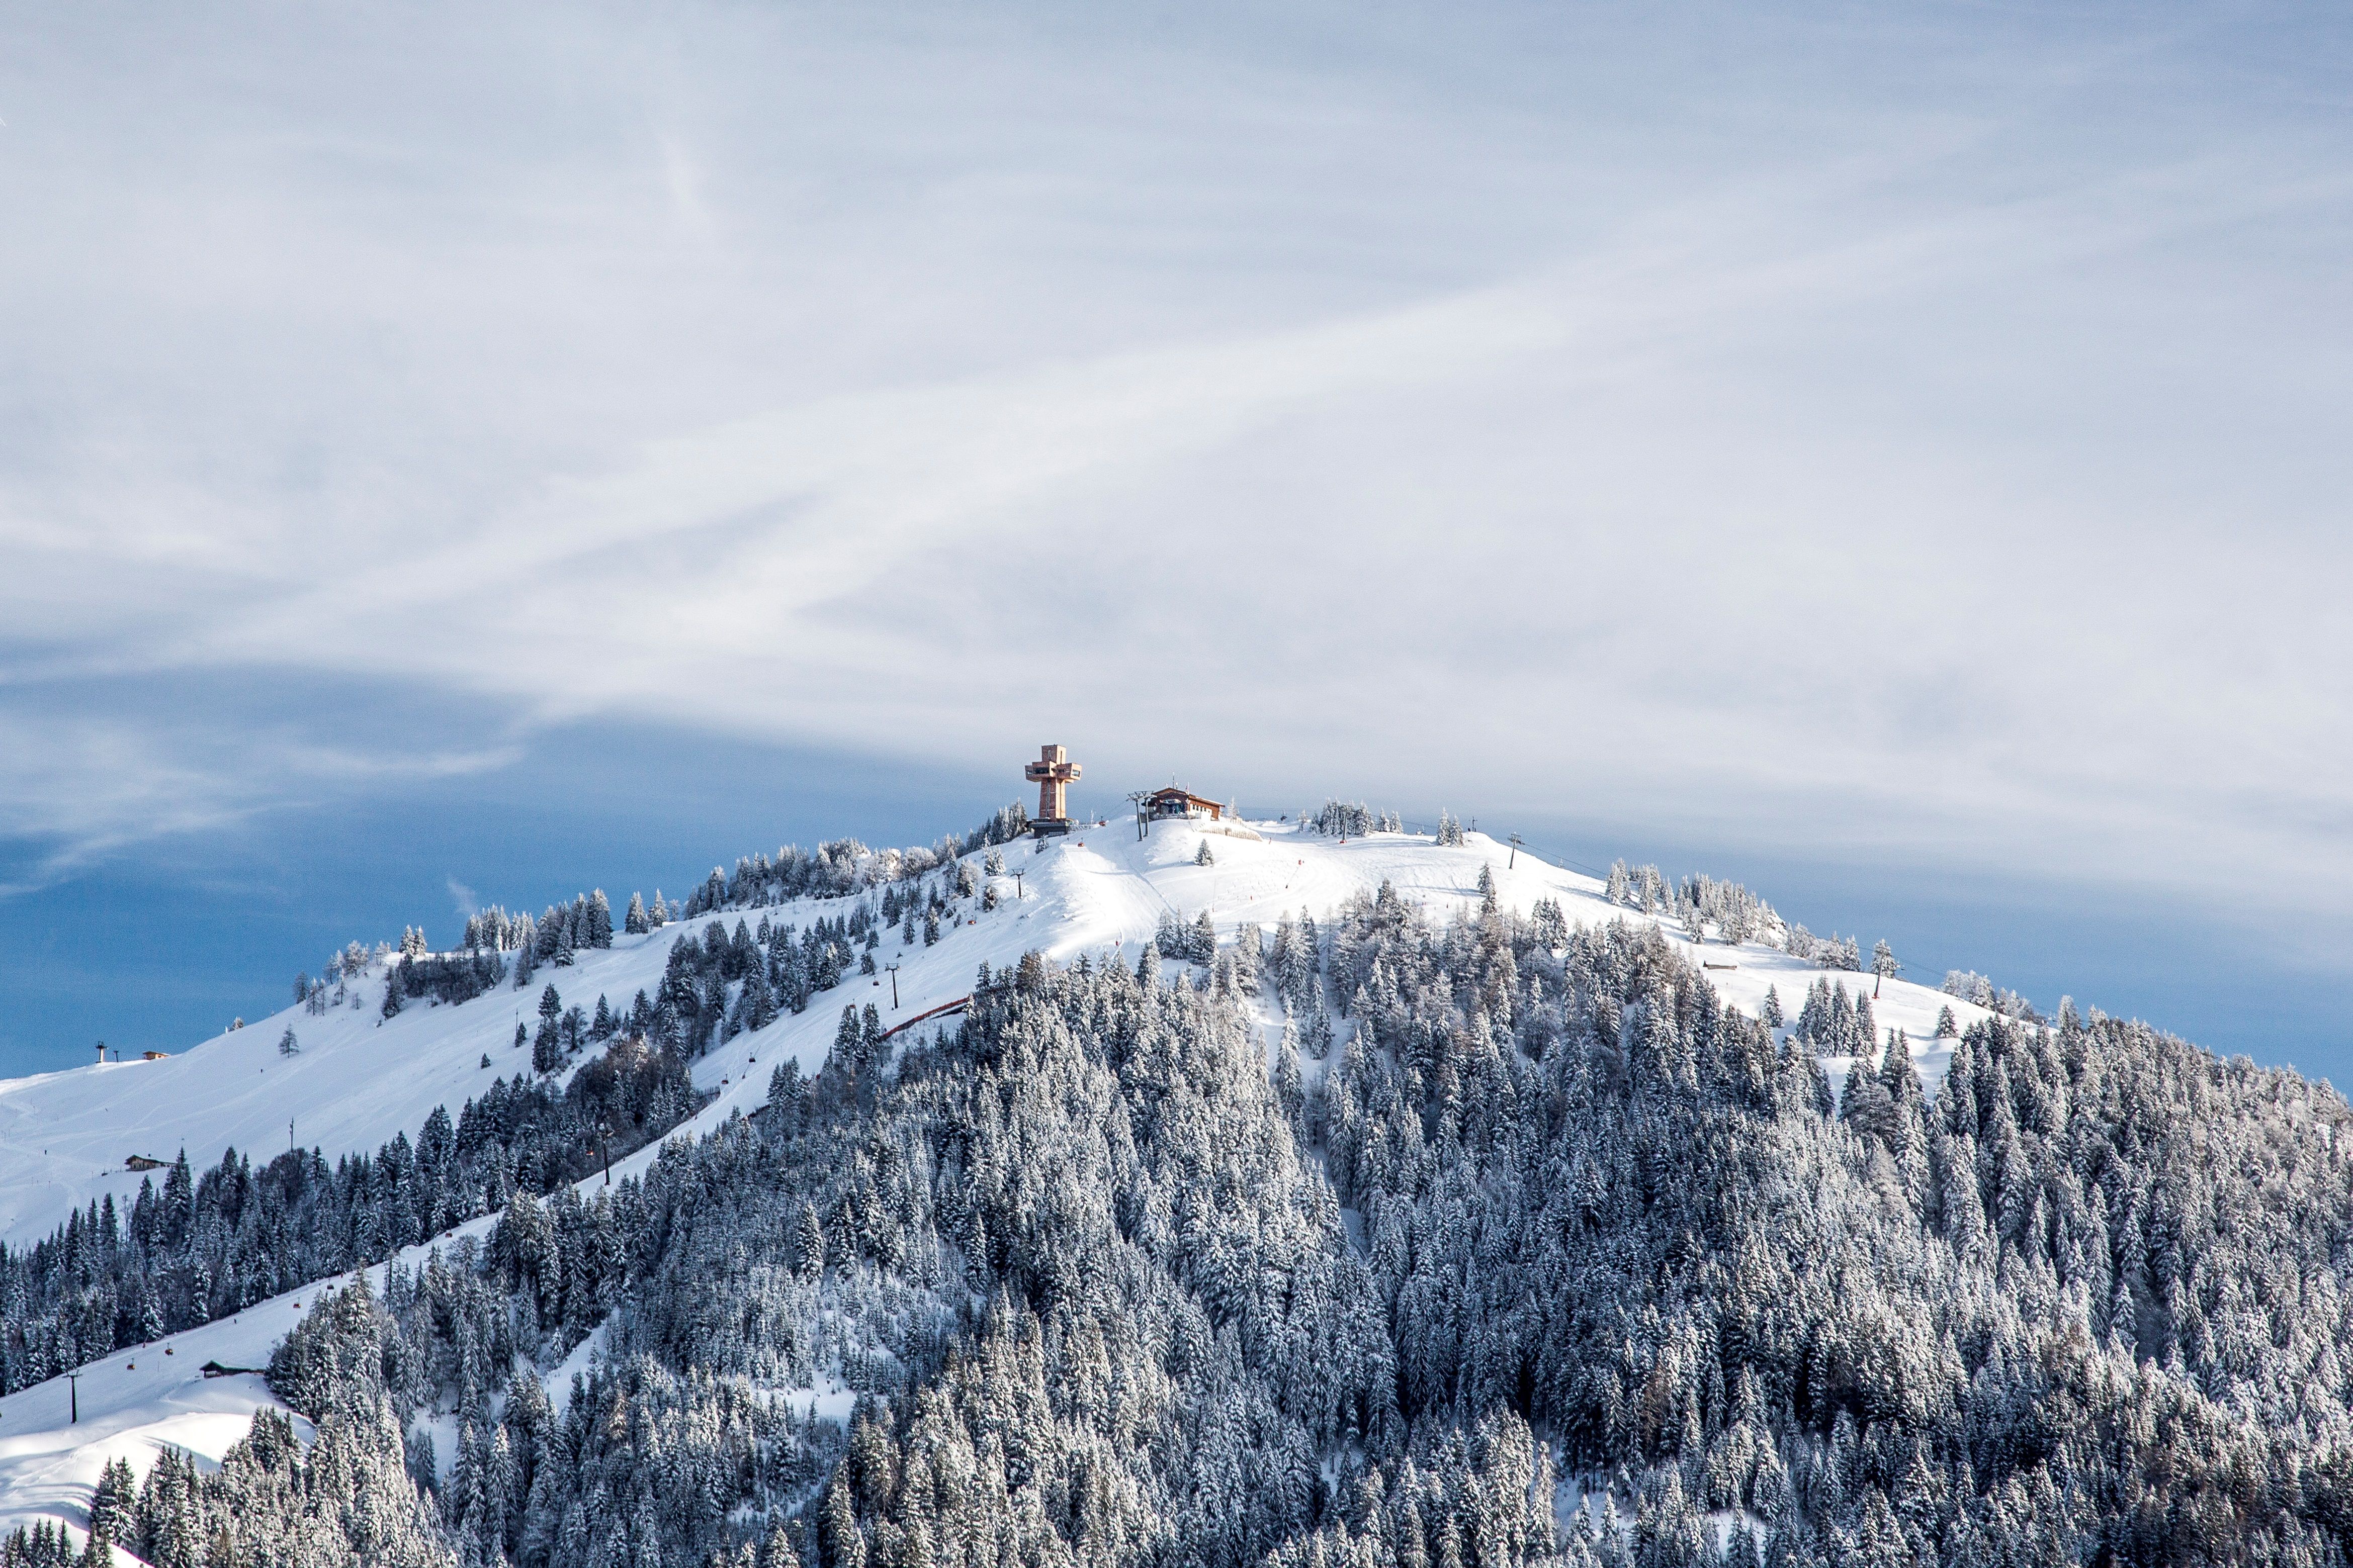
1431,1204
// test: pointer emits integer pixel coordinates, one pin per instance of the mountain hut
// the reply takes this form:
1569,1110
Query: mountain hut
1174,802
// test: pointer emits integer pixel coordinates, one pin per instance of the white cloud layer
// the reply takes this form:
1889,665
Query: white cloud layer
1907,440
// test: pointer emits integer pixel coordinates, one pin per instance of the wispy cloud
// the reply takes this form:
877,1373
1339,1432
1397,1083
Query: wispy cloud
1904,444
76,788
86,789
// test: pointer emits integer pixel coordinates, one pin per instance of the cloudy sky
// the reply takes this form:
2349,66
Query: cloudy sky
1900,449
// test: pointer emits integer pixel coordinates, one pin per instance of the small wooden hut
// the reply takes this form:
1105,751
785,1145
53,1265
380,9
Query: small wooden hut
1174,802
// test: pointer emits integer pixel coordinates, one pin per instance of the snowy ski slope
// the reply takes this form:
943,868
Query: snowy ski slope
64,1136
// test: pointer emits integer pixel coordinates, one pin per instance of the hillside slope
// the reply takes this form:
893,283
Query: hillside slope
360,1079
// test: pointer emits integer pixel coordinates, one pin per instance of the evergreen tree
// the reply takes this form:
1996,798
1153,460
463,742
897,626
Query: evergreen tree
849,1041
808,1243
547,1045
1288,1094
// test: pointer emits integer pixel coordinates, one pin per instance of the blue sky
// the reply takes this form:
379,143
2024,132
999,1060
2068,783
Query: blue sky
1891,455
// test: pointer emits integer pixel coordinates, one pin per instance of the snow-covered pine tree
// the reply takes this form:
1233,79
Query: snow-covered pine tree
1203,947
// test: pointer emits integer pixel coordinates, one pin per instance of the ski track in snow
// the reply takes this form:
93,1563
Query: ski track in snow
64,1136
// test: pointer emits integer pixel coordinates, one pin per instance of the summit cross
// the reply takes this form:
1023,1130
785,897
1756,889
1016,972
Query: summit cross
1053,773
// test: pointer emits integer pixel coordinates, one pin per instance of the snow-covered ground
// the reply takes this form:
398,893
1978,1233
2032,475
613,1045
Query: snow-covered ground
357,1081
133,1403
